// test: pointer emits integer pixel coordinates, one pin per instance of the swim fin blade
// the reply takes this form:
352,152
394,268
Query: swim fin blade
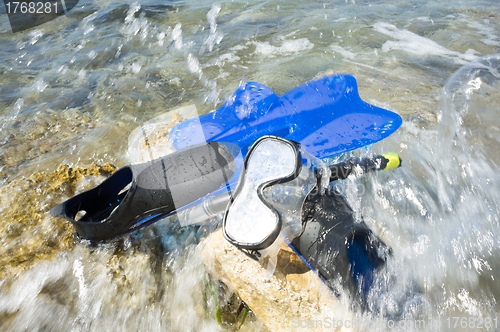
325,115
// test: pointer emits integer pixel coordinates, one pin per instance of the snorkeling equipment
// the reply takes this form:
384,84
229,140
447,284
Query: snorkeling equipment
212,205
328,239
384,162
325,115
137,195
337,247
251,221
332,117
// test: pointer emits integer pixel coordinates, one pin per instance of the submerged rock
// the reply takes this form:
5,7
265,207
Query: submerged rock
28,233
35,135
293,297
49,279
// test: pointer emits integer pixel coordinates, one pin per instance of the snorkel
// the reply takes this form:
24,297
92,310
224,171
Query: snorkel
268,210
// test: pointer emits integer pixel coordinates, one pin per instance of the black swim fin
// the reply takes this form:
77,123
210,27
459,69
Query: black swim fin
137,195
337,247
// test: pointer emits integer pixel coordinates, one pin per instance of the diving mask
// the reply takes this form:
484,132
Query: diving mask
276,179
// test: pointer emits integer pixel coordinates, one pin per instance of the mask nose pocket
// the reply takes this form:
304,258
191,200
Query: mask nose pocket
250,222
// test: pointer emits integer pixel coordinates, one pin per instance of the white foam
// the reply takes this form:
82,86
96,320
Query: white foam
412,43
81,74
134,8
238,48
229,57
345,53
491,39
211,16
39,85
287,48
35,36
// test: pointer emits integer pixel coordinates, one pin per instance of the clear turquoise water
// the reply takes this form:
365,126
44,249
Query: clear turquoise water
72,90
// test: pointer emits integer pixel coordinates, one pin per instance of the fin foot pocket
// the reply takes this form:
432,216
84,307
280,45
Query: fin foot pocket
336,247
137,195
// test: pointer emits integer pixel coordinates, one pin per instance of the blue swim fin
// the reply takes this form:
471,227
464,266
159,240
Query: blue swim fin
326,115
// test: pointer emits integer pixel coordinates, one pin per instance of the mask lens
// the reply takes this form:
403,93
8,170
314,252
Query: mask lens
250,222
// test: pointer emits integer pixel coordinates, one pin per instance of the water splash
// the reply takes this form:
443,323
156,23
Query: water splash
177,36
412,43
215,36
440,211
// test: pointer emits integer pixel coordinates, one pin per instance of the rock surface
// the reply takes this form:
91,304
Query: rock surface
28,233
86,286
293,297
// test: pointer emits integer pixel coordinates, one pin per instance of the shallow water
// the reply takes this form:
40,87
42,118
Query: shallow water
73,89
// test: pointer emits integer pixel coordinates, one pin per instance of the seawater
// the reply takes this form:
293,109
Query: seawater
73,89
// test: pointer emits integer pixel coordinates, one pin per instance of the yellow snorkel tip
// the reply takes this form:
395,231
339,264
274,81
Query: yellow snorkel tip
394,161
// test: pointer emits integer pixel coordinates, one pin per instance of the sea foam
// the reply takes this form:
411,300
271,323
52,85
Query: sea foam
287,48
412,43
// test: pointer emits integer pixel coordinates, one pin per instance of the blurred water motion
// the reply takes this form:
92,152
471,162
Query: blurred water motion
73,89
